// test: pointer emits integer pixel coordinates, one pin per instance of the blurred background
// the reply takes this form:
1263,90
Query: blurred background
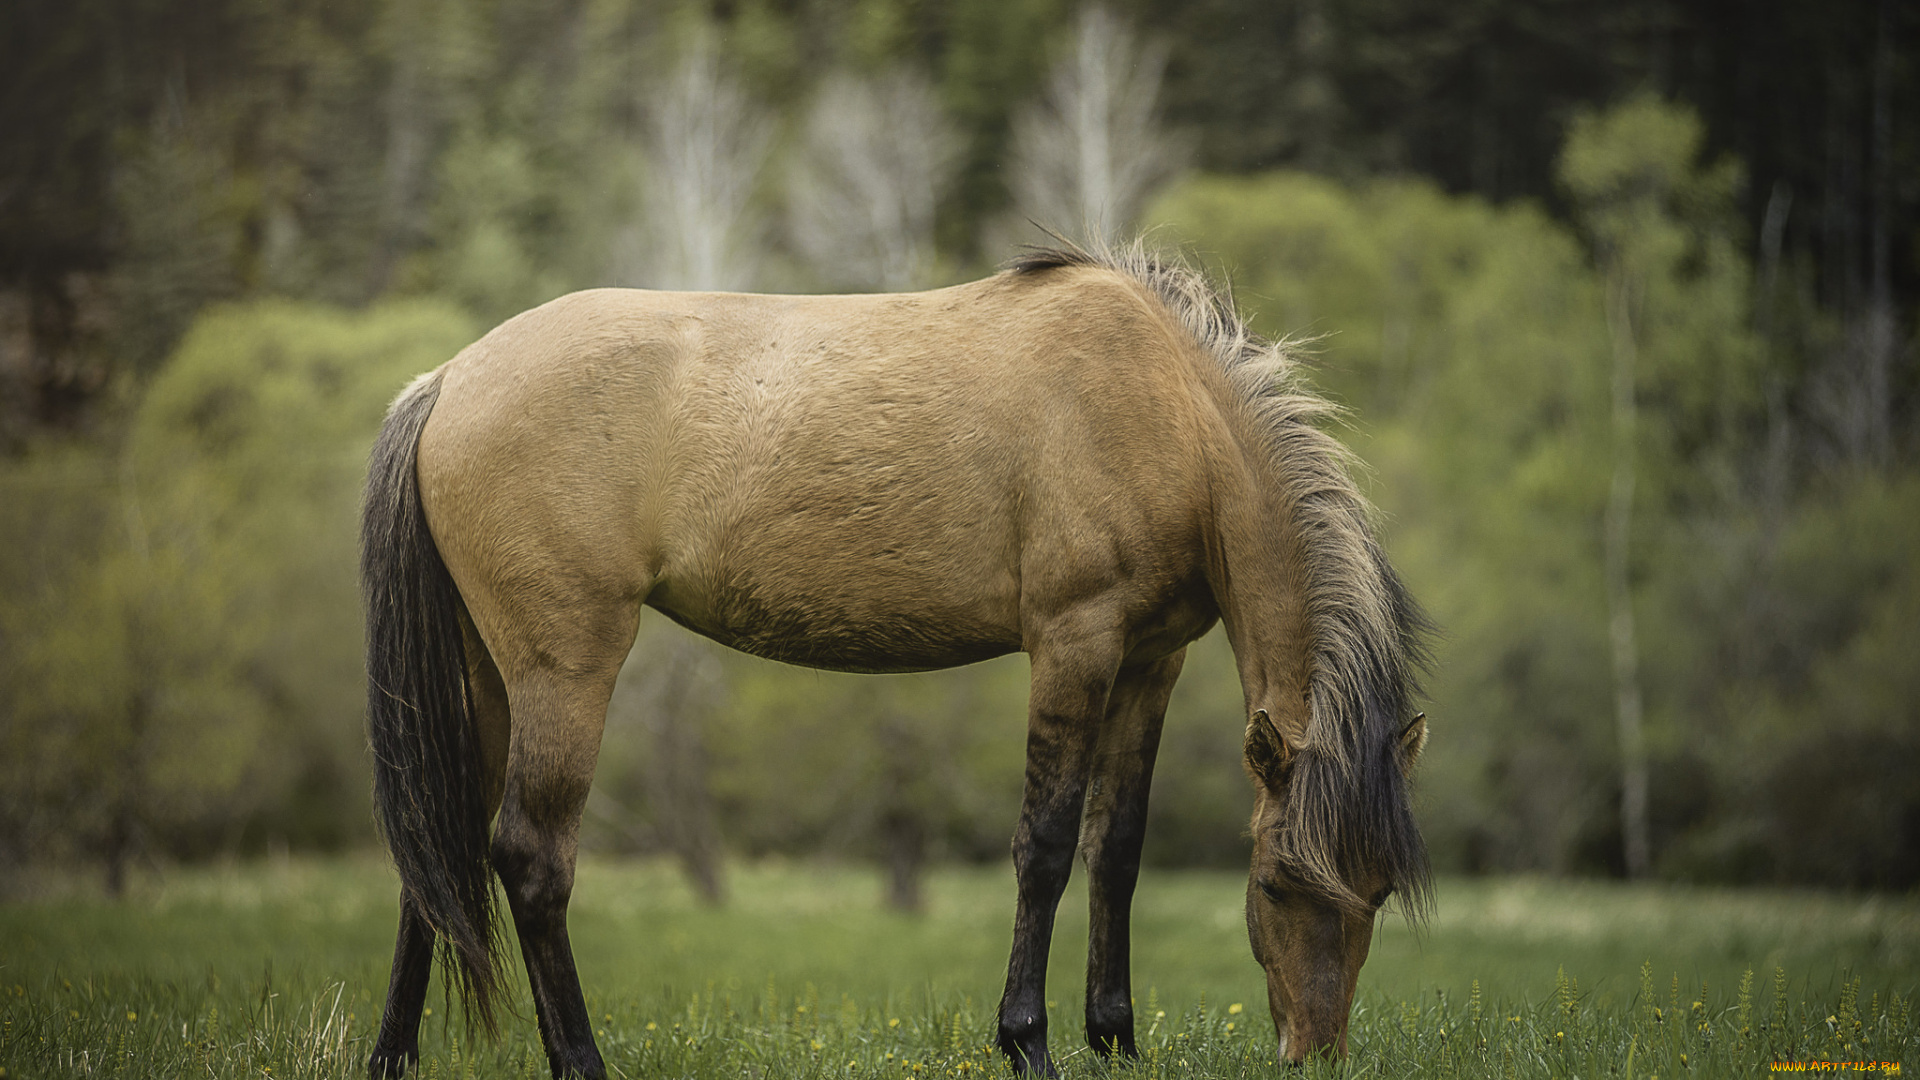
1621,298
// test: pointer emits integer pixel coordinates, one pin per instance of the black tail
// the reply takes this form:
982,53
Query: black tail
428,792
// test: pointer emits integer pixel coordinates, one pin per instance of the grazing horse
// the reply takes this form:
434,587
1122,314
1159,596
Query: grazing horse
1086,457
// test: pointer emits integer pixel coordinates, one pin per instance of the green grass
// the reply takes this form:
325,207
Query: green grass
278,970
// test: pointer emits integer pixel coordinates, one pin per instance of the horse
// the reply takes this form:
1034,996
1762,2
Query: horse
1086,457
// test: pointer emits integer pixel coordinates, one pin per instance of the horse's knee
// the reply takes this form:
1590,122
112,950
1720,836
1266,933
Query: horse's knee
1042,867
1048,834
1109,855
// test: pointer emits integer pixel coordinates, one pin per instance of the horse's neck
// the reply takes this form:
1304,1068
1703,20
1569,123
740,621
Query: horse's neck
1261,597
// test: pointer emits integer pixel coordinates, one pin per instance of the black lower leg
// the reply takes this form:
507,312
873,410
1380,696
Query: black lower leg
1071,681
1043,846
538,887
1116,829
1113,868
1042,869
1109,980
397,1047
558,1004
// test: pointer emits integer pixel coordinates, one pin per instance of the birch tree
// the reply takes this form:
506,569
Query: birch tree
1090,153
1675,294
705,143
878,154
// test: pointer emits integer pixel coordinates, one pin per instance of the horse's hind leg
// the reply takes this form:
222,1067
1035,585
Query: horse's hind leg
1069,697
397,1048
559,703
1110,839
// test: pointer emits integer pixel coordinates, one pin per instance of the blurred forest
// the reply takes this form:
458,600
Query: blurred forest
1621,297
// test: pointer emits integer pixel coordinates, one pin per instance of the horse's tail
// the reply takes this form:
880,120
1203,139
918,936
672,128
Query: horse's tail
428,787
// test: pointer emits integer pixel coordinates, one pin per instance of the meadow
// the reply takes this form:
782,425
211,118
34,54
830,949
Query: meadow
277,969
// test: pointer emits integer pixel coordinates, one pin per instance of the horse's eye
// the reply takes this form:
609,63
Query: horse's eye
1273,892
1380,897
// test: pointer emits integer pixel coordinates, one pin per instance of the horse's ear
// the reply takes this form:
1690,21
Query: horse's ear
1268,755
1413,739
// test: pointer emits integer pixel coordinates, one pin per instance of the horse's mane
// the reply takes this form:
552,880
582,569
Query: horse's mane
1347,797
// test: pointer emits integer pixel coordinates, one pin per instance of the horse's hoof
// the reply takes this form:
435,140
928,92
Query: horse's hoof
1028,1058
1113,1044
581,1062
1110,1033
1043,1067
391,1064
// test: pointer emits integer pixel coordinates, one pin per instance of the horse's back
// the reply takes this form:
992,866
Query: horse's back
872,482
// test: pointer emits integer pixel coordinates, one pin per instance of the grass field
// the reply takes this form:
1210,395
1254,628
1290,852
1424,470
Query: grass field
277,969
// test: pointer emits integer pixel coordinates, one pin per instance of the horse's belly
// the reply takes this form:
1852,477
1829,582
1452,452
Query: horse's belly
819,632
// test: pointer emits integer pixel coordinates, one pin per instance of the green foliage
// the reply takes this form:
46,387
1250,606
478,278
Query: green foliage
813,760
179,592
126,701
1663,231
1474,344
824,762
181,251
1817,740
488,263
193,670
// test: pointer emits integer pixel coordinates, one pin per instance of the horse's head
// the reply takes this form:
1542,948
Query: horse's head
1317,882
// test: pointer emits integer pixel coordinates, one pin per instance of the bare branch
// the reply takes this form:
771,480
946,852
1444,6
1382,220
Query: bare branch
878,154
1088,156
705,145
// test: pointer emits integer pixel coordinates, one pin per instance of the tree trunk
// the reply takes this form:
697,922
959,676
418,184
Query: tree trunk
677,790
123,826
906,837
1881,336
1619,532
903,823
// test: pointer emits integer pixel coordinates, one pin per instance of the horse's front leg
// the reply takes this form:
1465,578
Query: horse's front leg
1116,825
1069,699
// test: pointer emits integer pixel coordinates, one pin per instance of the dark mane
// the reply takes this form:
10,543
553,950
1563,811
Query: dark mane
1347,799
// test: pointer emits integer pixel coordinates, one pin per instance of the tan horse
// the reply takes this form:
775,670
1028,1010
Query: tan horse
1086,458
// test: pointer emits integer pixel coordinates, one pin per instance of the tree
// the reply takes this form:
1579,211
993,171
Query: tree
704,147
1632,173
1089,155
218,601
135,713
671,691
877,155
